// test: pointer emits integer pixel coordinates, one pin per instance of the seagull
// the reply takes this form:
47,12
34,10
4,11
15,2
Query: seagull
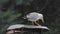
34,16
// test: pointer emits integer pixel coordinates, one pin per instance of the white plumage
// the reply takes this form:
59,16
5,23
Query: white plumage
35,17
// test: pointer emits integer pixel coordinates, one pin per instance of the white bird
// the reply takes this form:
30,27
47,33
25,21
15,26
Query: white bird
35,17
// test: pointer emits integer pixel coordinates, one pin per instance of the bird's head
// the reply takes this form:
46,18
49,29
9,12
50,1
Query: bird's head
42,20
41,17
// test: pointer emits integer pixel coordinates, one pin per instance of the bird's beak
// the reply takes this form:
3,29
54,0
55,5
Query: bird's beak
42,20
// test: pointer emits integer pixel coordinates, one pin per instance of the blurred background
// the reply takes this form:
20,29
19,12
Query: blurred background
12,11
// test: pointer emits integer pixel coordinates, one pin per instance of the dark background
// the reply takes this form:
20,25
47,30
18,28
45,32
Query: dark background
12,11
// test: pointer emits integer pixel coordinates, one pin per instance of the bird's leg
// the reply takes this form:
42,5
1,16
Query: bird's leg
32,23
37,23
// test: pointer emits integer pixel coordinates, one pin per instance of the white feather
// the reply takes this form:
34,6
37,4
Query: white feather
34,16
